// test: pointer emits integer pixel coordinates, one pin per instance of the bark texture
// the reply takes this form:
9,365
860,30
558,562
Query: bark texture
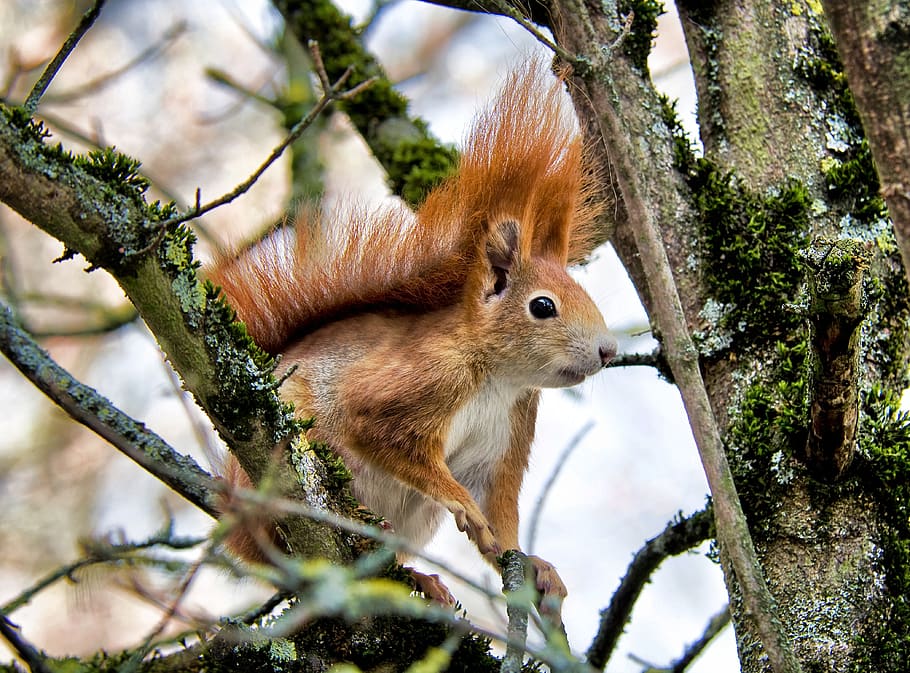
873,39
778,128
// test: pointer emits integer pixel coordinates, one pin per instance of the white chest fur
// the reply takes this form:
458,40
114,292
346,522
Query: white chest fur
479,437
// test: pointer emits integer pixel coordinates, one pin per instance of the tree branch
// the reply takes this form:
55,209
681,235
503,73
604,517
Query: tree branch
414,160
100,553
514,571
330,92
716,624
625,112
34,659
837,309
95,205
536,11
518,15
676,538
95,412
96,84
573,444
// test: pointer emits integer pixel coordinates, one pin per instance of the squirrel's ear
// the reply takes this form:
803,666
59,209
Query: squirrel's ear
502,252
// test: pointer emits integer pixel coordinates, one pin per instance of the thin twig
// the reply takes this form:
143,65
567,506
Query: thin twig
99,553
669,316
514,573
179,472
623,33
16,70
182,591
716,624
150,52
513,13
135,586
88,19
8,267
224,79
551,479
636,360
677,537
201,429
262,610
93,140
331,92
108,318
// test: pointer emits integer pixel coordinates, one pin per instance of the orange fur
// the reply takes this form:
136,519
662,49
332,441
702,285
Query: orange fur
421,340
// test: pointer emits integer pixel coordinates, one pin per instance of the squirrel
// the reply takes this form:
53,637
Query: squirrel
421,340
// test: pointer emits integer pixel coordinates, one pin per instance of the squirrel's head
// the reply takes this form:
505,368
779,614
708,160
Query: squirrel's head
524,198
538,326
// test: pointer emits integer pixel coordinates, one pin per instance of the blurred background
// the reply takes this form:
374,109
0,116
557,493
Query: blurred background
186,88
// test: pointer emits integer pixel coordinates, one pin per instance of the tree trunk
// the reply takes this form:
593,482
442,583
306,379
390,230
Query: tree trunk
788,270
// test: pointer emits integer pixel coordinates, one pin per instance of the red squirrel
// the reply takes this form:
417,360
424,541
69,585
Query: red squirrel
421,340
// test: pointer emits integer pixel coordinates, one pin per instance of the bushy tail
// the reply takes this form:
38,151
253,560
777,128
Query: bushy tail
322,269
524,160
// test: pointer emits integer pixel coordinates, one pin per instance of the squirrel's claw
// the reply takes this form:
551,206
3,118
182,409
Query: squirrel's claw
432,587
552,592
470,520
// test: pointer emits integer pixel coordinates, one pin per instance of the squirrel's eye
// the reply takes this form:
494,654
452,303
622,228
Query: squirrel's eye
542,307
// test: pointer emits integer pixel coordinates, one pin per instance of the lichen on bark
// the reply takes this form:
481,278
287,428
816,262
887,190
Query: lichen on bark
821,544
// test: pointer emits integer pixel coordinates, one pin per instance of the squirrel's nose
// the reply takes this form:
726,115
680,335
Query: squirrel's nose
607,351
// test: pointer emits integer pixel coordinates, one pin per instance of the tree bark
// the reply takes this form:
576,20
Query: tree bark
873,39
774,115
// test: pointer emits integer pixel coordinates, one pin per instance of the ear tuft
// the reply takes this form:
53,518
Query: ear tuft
502,253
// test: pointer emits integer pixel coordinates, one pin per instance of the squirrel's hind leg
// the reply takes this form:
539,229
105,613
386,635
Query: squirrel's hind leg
432,587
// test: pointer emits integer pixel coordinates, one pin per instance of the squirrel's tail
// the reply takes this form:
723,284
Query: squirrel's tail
524,160
321,269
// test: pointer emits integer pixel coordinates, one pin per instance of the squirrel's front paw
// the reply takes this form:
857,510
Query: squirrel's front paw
471,521
551,588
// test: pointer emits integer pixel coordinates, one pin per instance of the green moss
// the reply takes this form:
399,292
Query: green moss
249,382
820,65
338,472
637,44
888,345
422,161
380,643
414,168
749,249
849,171
853,181
116,169
108,165
885,448
684,159
101,662
769,427
21,118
